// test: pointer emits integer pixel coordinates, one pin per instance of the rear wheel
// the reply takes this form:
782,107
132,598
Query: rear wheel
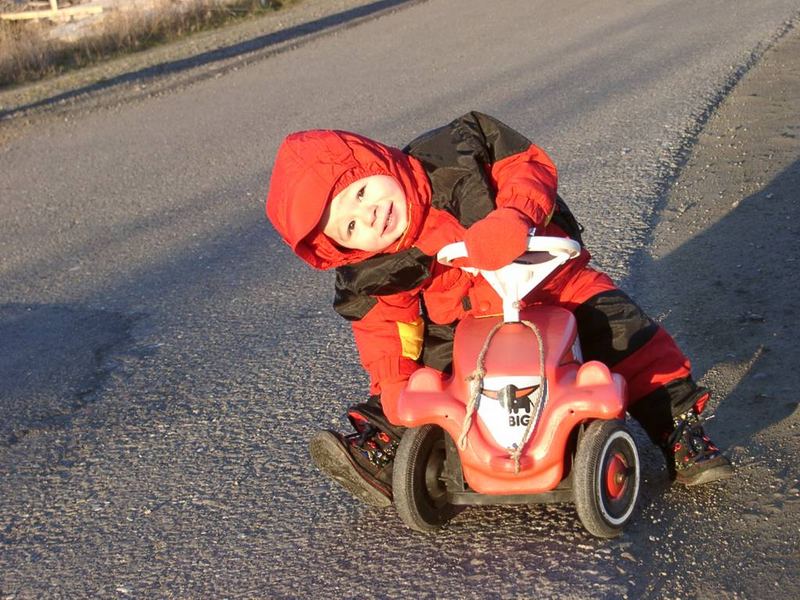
606,478
420,495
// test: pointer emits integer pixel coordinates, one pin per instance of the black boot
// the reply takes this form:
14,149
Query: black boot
361,462
692,458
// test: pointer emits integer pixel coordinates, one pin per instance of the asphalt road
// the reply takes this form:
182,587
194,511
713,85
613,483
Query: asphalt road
163,357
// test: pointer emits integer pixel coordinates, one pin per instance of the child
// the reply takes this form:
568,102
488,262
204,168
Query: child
379,215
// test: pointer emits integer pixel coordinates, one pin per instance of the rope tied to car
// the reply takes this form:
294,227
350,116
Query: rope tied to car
475,380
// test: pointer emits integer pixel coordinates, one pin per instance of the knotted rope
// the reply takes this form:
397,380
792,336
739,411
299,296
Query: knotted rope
476,384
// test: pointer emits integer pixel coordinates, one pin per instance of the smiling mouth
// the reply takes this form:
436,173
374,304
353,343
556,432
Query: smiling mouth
389,219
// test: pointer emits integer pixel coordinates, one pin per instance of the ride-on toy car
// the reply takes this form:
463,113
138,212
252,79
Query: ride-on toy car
522,419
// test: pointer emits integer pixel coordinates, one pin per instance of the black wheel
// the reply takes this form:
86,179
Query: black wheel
419,493
606,477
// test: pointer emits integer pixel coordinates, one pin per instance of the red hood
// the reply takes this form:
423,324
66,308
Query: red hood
311,167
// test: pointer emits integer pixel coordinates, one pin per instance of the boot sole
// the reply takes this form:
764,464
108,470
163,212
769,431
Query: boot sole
335,461
717,473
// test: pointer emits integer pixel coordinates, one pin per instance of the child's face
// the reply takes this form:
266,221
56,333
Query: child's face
369,214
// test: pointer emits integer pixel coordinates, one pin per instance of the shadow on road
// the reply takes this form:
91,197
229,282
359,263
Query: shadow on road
53,360
733,295
56,359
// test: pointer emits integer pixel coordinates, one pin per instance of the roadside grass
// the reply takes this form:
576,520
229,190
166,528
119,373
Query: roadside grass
28,53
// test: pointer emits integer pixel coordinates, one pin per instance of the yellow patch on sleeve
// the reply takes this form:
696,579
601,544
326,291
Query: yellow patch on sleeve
411,338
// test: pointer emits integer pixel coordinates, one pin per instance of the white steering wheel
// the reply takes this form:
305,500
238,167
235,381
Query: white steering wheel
514,281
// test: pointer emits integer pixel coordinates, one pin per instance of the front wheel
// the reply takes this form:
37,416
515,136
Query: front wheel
419,492
606,477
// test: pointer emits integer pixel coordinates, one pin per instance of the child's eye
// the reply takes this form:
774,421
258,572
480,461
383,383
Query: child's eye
351,227
360,193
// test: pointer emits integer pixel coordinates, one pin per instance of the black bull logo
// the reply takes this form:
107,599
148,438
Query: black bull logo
514,399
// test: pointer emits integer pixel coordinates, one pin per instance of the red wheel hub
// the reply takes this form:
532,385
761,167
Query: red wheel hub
616,475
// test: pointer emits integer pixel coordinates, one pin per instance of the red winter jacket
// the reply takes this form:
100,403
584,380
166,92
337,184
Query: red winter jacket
474,179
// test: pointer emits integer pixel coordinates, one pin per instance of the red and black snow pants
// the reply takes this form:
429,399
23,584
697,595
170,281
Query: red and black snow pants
615,331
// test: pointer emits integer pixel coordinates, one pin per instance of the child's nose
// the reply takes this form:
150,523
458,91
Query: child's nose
367,214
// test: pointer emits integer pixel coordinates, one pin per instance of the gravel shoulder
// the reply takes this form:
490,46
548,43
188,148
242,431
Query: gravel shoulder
722,269
172,66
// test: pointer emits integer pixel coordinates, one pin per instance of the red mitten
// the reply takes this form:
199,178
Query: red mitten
497,239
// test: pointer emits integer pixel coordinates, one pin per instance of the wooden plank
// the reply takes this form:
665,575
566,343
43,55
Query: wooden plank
73,11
